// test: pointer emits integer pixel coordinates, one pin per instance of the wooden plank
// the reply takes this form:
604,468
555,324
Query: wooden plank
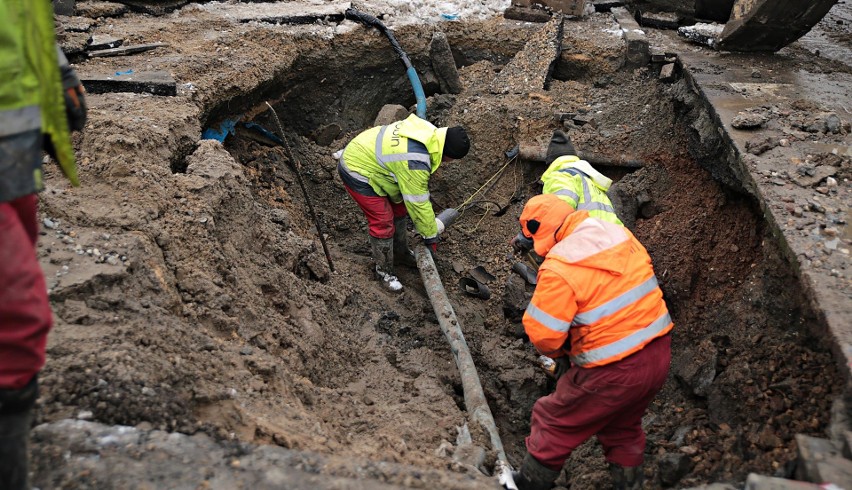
126,50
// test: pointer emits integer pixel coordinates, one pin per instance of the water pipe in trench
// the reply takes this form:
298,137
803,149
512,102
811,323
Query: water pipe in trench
474,396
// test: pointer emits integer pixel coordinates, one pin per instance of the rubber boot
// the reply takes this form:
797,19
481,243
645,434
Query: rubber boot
14,434
383,255
534,476
560,145
402,255
15,418
626,477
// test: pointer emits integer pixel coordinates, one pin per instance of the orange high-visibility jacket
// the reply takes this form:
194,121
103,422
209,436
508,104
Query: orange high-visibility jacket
597,285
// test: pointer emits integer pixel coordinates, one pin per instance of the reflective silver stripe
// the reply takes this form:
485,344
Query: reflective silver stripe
632,341
398,157
596,206
416,197
16,121
546,319
354,175
379,147
565,192
616,304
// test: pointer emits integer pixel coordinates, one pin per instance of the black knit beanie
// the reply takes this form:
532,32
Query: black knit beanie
560,145
457,143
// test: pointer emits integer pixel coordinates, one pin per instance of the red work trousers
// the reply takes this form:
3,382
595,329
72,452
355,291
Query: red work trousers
380,212
25,316
607,401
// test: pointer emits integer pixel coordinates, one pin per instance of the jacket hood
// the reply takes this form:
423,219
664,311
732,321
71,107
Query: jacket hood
571,161
542,219
591,242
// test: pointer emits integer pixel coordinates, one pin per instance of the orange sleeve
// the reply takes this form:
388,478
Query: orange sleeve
549,314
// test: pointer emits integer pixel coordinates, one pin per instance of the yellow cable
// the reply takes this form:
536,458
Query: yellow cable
496,174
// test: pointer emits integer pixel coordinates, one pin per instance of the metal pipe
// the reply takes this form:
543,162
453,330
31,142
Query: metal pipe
537,152
474,397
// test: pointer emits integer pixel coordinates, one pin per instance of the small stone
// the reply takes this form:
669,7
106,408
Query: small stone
246,351
748,120
830,231
798,212
85,415
756,74
784,142
148,391
831,182
48,223
833,124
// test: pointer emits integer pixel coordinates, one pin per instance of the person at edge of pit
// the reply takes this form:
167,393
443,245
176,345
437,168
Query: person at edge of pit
574,181
597,311
41,101
386,170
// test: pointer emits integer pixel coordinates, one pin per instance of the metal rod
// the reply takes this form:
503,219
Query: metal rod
474,397
298,168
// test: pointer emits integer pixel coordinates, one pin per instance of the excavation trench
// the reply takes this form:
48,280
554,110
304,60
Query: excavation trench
745,366
275,349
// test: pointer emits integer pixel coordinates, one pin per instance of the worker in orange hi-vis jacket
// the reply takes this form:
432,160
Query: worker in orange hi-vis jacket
599,312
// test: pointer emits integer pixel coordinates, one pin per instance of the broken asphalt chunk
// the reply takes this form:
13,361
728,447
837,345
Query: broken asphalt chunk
638,52
150,82
702,33
99,42
530,69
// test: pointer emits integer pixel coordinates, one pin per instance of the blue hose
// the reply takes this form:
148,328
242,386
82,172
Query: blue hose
371,21
418,92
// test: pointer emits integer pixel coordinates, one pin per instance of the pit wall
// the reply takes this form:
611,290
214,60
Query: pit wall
771,179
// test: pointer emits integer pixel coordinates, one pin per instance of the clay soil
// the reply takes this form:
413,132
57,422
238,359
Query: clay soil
209,305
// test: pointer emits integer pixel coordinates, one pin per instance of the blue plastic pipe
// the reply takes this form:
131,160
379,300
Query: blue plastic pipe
371,21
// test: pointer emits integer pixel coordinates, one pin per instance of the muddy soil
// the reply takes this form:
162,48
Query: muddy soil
191,293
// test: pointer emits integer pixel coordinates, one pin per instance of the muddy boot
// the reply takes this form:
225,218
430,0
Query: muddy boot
626,477
383,255
534,476
560,145
15,419
402,255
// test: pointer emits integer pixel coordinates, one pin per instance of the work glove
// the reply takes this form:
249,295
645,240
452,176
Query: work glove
75,101
563,364
440,225
521,244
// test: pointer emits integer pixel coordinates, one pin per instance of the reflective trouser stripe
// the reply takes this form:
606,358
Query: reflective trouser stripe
625,299
626,344
21,120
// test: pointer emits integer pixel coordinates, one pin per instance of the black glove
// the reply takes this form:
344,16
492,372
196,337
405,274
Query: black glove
563,364
75,101
521,244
